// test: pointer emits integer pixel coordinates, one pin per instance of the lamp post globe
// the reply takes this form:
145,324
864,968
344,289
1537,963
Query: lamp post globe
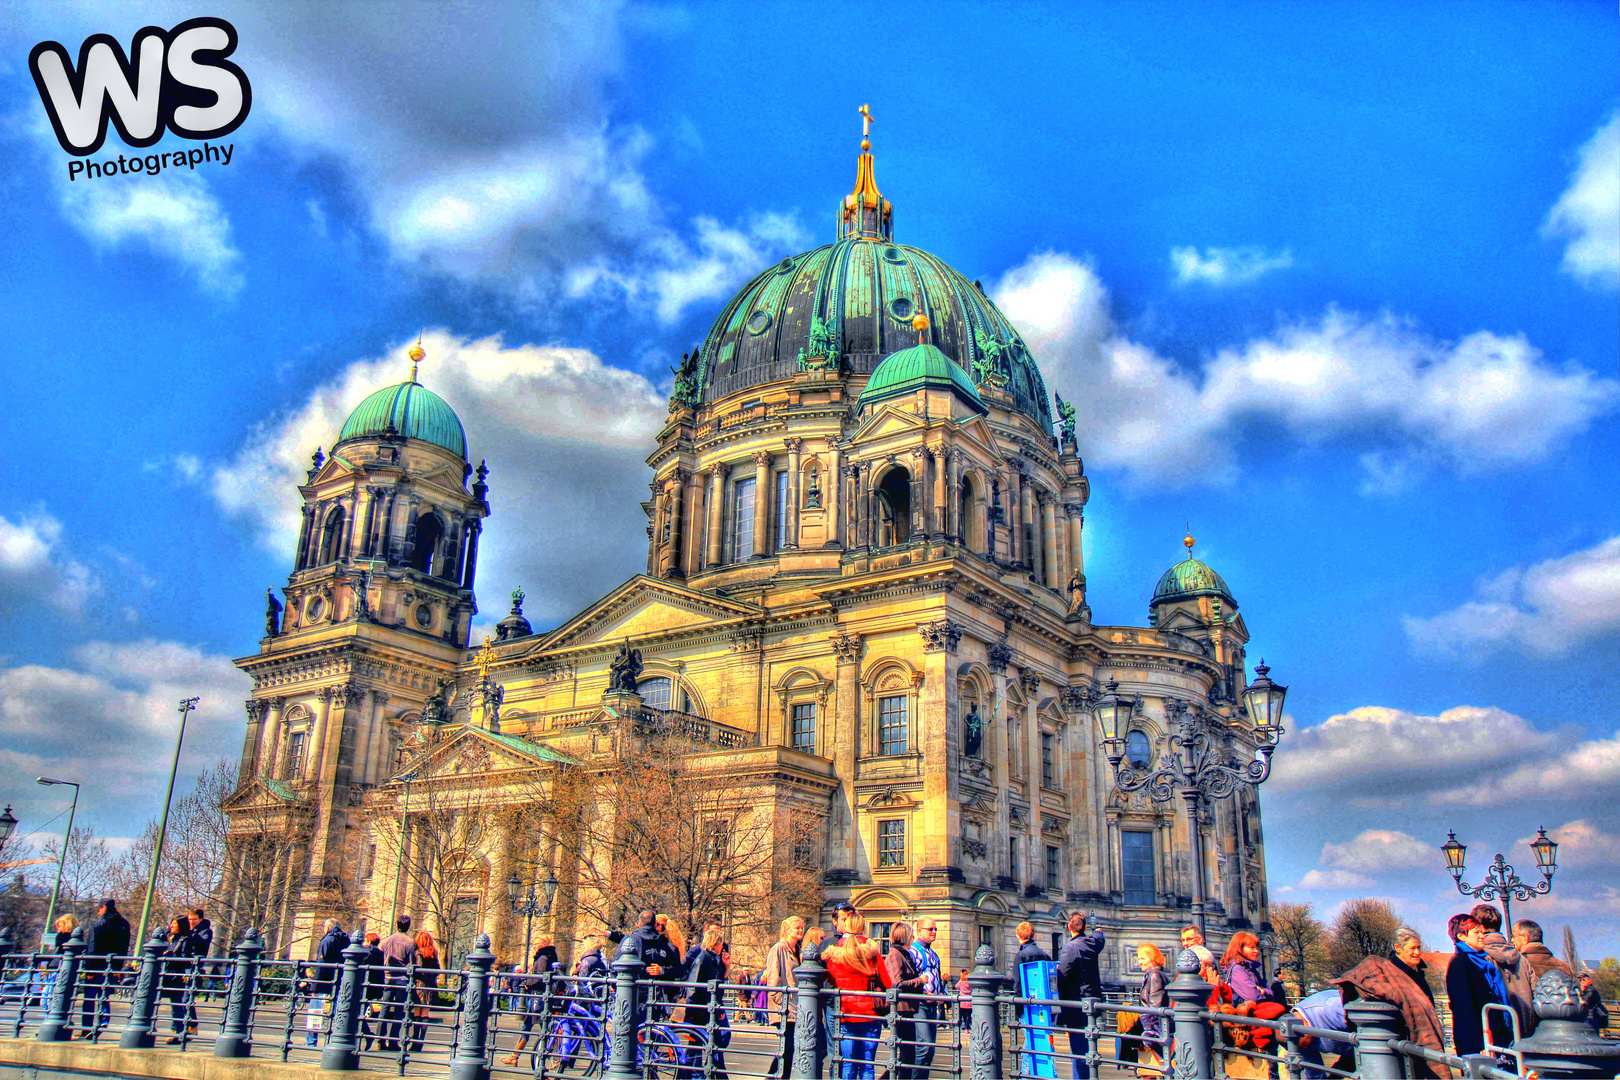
8,824
1546,850
1454,853
1264,701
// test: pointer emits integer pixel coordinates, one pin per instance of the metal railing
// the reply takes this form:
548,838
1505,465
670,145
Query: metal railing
478,1023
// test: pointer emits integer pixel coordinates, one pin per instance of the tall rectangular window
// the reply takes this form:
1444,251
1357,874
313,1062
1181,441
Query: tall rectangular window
879,932
297,742
803,733
742,520
1052,876
1048,765
1136,859
1012,857
779,515
891,843
892,734
987,936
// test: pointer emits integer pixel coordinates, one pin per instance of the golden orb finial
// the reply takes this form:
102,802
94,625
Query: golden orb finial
417,355
920,323
1188,542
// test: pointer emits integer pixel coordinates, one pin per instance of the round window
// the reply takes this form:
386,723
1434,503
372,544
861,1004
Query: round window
901,308
785,266
424,616
893,254
759,322
313,608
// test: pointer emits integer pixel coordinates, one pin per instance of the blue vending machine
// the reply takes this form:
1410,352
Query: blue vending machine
1038,980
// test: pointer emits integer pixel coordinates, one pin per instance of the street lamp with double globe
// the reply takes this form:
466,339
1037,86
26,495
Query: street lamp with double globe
1201,763
530,906
1501,880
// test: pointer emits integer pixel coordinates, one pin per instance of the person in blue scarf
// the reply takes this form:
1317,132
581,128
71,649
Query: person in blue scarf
1473,981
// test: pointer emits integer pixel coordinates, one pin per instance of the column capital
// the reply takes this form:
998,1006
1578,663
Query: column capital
793,444
256,708
1075,510
846,646
940,635
722,470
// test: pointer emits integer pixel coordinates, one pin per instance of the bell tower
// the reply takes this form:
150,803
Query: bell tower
377,611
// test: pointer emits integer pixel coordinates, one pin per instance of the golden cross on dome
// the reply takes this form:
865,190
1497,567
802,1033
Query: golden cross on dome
866,126
483,658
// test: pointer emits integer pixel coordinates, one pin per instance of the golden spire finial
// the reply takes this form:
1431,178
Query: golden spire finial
417,355
866,127
1188,541
483,658
920,323
865,213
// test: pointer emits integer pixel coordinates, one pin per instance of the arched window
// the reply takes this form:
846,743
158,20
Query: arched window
965,519
331,536
1137,750
655,692
894,507
429,534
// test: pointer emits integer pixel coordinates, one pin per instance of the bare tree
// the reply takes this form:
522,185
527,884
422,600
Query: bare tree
1301,944
1572,956
89,872
270,825
1363,928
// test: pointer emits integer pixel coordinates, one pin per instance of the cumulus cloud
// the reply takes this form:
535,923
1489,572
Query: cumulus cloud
1481,403
1589,772
34,562
80,721
564,434
173,215
1225,266
1378,849
1379,756
1334,879
1549,608
1587,214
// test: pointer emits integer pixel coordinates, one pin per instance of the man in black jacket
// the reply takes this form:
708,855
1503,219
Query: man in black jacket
645,943
1078,978
108,938
371,971
330,956
1028,951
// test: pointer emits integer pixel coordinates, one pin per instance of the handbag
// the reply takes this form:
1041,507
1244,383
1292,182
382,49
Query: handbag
880,1005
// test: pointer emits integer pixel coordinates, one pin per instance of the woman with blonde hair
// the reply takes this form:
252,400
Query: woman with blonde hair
672,930
855,967
65,925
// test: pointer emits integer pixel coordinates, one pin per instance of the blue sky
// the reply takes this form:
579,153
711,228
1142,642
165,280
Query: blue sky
1336,283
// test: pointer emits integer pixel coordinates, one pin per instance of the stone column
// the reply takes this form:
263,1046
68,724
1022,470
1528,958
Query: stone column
256,709
677,488
692,563
476,530
717,505
377,762
1027,541
348,523
954,526
270,750
863,505
936,511
835,498
317,518
385,545
790,512
762,504
315,755
1077,520
920,492
1015,528
843,838
301,557
1053,575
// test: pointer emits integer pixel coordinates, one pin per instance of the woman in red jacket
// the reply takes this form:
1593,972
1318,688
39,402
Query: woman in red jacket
855,964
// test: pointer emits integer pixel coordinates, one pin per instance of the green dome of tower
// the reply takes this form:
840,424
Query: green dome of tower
1190,578
411,410
904,372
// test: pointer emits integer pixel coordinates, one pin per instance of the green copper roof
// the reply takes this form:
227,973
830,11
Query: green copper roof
912,369
533,749
1187,579
414,412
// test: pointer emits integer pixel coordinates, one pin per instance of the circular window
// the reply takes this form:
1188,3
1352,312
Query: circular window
785,266
424,616
901,308
313,608
893,254
759,322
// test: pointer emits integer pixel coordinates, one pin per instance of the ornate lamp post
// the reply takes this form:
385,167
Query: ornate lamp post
1501,880
530,906
8,825
1201,763
67,837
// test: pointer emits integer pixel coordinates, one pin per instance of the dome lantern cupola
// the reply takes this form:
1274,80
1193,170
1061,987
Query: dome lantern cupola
408,409
1189,579
866,214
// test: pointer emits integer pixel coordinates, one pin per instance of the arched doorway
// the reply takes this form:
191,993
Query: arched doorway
893,507
429,534
331,536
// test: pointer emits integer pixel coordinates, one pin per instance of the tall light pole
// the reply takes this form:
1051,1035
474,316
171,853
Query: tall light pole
530,906
1200,764
399,864
186,705
61,859
1500,879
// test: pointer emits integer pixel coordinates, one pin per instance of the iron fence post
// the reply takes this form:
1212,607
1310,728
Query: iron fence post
984,1049
235,1041
807,978
471,1060
138,1033
58,1025
626,1020
1377,1023
343,1045
1190,996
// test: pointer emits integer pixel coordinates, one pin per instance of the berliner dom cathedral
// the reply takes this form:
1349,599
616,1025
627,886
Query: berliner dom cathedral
864,588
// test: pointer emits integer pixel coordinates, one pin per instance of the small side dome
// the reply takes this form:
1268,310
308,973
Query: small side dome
1187,579
411,410
909,370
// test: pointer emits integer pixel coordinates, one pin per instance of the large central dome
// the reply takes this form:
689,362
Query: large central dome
853,301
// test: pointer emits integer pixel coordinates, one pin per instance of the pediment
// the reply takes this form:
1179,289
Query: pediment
336,467
644,607
1182,621
1236,624
888,421
261,792
473,751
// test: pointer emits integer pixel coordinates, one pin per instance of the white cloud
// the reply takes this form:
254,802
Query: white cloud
1481,403
1378,849
173,215
1334,879
1379,756
1587,214
1548,608
1226,266
564,434
1588,772
34,562
80,722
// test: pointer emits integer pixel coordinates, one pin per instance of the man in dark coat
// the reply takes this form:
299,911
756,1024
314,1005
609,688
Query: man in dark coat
1028,951
1079,977
202,930
371,971
108,938
645,943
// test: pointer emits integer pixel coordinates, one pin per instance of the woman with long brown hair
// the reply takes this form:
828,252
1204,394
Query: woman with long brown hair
1241,967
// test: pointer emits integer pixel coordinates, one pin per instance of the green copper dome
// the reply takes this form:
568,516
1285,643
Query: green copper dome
1187,579
411,410
912,369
